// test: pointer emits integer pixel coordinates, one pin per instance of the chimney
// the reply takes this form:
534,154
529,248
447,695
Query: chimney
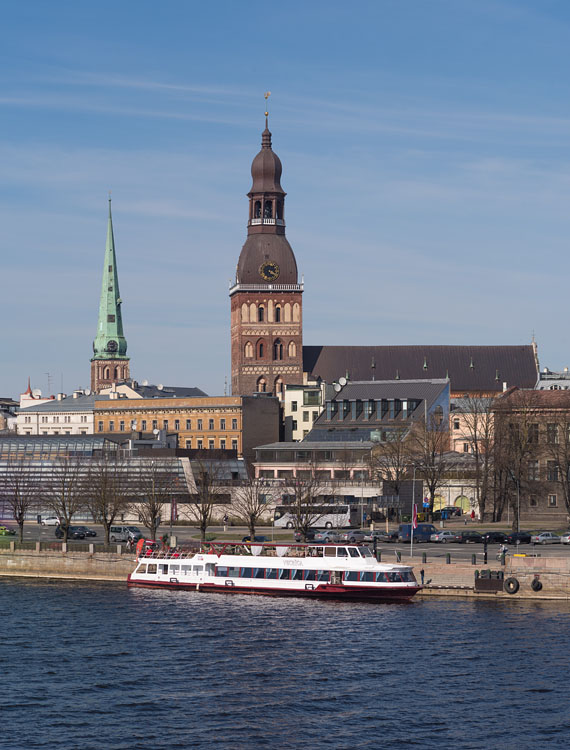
60,396
504,385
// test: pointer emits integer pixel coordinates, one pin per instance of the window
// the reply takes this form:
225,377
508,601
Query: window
465,447
44,420
155,424
455,424
133,424
552,471
234,424
294,424
200,425
234,444
165,424
199,443
222,424
278,314
293,406
311,398
84,419
315,414
100,426
111,426
552,434
305,416
260,350
188,424
56,419
189,444
122,425
67,420
277,349
249,349
223,444
143,425
176,424
210,424
260,313
44,432
533,471
110,318
552,501
532,501
261,385
211,445
305,433
533,433
292,349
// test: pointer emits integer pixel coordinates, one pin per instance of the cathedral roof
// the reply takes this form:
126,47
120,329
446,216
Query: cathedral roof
266,168
262,248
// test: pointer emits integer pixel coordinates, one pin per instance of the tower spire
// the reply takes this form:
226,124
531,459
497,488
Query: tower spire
110,361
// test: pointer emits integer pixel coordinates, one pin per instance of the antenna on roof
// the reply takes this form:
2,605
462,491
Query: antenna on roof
226,386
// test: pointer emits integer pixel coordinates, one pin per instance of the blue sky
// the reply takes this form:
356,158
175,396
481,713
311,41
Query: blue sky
425,150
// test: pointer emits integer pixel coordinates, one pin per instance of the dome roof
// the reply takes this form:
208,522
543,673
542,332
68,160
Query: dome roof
266,168
263,248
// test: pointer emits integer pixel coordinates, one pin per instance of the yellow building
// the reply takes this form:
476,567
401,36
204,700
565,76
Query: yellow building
237,423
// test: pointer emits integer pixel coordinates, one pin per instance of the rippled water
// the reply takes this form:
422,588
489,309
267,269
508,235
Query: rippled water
95,666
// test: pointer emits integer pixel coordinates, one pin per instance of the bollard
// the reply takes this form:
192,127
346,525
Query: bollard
474,559
448,558
378,555
119,549
64,547
91,548
398,556
424,557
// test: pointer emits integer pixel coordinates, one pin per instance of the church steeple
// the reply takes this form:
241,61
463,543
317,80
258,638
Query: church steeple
109,362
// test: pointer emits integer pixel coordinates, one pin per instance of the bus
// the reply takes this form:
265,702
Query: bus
323,516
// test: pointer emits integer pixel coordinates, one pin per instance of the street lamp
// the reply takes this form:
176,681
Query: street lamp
517,481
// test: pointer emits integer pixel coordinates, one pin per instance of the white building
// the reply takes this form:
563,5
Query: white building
62,415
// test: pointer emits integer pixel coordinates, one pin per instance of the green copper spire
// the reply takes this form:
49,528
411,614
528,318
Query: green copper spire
110,342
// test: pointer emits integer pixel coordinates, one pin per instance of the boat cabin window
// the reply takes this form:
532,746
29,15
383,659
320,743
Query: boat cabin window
365,552
151,569
164,569
174,570
197,568
341,552
353,551
330,551
297,575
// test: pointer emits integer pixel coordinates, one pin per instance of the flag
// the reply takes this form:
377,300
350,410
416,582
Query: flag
415,517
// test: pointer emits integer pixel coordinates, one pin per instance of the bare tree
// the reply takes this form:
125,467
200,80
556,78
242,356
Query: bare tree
110,491
64,490
309,493
390,460
429,454
476,424
156,485
20,490
210,489
249,502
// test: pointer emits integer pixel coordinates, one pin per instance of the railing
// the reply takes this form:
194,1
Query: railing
264,287
269,222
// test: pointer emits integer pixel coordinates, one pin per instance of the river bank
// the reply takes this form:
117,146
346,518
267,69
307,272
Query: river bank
454,579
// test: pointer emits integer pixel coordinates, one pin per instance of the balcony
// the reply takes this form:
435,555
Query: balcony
264,287
266,222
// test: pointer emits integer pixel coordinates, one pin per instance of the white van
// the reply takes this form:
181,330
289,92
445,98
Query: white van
124,533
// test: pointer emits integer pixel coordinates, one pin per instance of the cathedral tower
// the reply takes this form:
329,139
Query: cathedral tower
266,299
109,363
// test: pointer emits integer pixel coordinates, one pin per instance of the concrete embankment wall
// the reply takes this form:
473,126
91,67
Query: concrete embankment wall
454,579
96,566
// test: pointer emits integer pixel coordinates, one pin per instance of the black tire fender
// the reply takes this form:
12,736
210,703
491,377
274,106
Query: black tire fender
512,585
536,585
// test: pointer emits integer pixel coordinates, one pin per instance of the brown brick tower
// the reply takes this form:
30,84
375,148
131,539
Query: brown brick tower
266,299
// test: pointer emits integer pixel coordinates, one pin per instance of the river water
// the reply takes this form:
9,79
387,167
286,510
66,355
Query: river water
99,666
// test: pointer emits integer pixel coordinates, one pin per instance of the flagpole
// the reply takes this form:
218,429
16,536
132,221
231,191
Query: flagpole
413,509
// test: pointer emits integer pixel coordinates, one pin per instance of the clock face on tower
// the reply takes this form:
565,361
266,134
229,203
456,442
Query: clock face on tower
269,271
112,346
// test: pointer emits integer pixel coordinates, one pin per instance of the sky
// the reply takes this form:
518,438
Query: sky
425,151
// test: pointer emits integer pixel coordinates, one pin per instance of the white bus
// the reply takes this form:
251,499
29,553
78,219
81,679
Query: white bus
323,516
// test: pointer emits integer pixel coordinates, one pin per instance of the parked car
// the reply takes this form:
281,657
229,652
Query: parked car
326,536
310,535
565,538
87,531
50,521
5,531
444,537
256,538
74,532
518,537
495,537
124,534
355,535
469,537
545,537
384,536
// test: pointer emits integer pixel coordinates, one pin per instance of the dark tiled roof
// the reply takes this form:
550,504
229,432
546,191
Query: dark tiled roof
517,399
470,368
168,391
80,403
392,389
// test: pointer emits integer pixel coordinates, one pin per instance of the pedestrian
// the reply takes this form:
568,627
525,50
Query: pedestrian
472,515
422,574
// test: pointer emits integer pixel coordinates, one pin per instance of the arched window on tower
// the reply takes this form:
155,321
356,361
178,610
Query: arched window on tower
252,312
278,386
277,349
257,210
244,313
116,374
249,349
107,373
296,312
292,349
268,210
260,350
287,312
279,209
260,313
261,385
277,314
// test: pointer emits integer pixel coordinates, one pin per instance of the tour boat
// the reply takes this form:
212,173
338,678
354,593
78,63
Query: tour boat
333,571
